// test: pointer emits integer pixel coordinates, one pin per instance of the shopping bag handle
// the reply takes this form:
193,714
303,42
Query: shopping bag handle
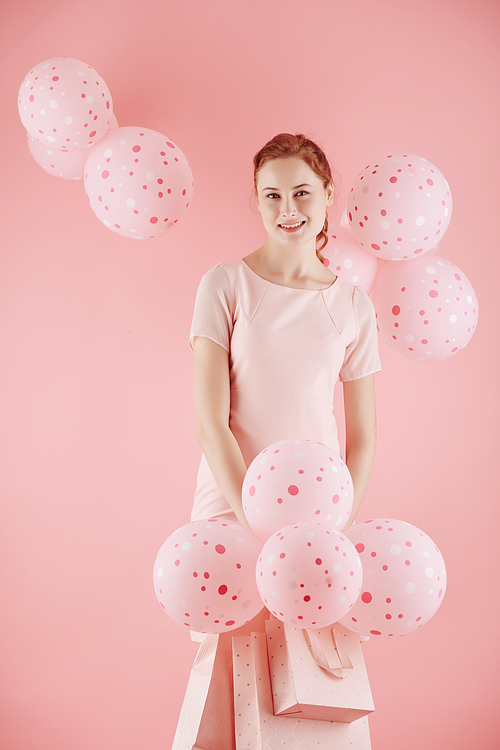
321,657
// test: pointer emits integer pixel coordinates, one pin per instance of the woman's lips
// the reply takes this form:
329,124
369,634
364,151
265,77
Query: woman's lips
290,228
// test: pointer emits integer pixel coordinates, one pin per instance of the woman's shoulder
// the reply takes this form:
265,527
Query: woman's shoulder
223,270
231,275
222,280
220,274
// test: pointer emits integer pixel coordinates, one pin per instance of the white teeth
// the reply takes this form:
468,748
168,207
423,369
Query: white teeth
291,226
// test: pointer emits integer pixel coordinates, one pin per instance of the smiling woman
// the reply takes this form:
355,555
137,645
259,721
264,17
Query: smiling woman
289,147
272,332
294,217
287,206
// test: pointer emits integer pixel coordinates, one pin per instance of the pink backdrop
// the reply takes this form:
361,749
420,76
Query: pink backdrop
98,448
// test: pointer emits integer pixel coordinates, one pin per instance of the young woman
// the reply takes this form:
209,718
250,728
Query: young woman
272,333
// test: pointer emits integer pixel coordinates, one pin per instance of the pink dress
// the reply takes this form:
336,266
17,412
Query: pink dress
287,348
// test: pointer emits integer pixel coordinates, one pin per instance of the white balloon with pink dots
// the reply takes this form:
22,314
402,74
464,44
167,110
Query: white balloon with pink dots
427,309
138,182
309,575
399,206
204,575
404,578
296,480
65,104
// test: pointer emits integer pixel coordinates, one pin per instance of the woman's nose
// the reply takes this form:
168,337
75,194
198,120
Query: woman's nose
288,207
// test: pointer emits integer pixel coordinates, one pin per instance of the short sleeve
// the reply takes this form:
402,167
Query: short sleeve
361,356
214,307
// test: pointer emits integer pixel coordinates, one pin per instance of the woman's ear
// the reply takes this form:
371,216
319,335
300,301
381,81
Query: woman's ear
330,194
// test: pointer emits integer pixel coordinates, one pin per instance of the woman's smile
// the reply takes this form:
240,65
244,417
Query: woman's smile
289,228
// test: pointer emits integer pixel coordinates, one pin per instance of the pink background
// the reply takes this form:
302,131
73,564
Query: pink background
98,447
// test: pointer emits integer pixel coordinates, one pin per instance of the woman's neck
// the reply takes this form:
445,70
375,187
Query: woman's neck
291,266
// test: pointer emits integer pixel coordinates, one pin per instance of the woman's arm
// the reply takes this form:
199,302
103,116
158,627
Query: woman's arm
361,436
212,405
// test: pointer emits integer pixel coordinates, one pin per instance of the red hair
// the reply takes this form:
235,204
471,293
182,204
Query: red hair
285,145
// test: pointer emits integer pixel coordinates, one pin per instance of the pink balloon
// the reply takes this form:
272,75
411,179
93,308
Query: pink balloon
204,575
296,480
345,257
426,308
309,575
138,182
68,165
399,206
65,104
404,578
344,219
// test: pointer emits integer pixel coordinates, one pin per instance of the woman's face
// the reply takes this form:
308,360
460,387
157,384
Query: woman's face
292,200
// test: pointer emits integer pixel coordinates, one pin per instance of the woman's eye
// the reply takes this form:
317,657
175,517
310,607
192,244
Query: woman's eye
276,195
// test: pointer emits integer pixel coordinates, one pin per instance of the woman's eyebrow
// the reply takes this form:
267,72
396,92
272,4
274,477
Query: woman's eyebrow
305,184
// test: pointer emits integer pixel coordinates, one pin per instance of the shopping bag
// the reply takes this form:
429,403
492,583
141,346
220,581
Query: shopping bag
256,727
196,695
317,674
206,720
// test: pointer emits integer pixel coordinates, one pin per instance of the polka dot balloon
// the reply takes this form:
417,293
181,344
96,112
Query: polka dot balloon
138,182
345,257
309,575
404,578
296,480
399,207
204,576
426,308
65,104
68,165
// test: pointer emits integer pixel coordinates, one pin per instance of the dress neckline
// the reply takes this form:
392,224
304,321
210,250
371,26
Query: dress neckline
284,286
